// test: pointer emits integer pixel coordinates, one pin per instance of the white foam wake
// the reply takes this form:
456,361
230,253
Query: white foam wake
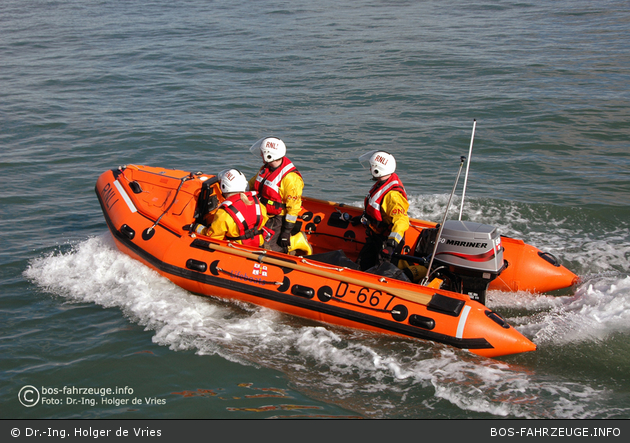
378,375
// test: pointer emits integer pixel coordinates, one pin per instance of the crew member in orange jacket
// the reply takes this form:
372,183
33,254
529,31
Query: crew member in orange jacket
279,185
385,211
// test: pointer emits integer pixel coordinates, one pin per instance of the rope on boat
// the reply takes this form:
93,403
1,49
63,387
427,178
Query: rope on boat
252,279
262,253
181,183
322,266
233,245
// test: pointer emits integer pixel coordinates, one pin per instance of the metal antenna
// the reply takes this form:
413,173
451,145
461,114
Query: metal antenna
461,209
425,281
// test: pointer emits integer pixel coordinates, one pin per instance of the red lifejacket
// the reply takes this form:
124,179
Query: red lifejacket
268,185
374,199
248,218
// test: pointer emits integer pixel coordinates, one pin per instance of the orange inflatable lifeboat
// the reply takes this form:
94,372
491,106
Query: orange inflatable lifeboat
149,211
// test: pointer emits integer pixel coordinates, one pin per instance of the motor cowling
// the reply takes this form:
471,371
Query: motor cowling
468,256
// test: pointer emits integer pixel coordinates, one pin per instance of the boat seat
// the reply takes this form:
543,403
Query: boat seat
336,258
207,201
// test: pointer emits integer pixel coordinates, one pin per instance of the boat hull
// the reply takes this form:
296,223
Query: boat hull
148,209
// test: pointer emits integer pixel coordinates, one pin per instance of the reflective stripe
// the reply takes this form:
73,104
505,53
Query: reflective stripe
396,236
462,322
240,217
125,196
374,199
240,212
236,212
268,184
291,218
274,184
377,194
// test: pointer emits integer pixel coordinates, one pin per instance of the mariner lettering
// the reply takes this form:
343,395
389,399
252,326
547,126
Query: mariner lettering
466,244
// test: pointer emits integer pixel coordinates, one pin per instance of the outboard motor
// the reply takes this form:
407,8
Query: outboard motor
468,257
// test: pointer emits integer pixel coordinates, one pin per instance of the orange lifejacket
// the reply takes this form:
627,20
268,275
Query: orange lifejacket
267,184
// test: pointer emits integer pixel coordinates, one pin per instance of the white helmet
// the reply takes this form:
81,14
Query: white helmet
270,148
380,163
233,180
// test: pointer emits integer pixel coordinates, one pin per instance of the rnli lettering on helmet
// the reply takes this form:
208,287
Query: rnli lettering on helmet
229,175
270,144
466,244
380,159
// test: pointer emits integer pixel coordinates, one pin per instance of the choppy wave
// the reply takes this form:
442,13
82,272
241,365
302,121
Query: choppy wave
596,312
370,373
591,251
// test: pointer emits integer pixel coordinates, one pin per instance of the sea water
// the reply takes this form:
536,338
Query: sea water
88,86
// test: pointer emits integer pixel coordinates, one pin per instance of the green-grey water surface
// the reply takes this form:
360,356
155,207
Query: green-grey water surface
87,86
